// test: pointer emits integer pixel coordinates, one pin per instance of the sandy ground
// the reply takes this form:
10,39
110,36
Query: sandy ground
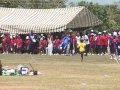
62,73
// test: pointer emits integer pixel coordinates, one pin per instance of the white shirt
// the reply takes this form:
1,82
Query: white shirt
86,40
78,39
49,41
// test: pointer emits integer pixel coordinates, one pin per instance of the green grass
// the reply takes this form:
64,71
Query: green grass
63,73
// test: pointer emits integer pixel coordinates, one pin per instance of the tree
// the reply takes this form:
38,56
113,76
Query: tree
35,4
71,4
109,14
56,4
10,3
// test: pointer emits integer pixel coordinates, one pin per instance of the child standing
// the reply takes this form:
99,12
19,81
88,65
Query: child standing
81,47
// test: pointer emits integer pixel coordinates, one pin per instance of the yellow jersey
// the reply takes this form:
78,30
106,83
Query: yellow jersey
81,47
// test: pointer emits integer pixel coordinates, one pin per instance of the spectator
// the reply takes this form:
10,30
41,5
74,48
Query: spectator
104,42
50,44
19,44
86,41
43,45
92,43
27,43
99,43
56,44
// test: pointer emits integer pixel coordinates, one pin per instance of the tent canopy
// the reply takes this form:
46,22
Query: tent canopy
22,21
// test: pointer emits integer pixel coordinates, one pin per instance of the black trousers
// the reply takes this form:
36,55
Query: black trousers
99,49
104,49
87,49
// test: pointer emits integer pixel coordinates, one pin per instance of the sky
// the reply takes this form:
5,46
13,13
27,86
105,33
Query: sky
96,1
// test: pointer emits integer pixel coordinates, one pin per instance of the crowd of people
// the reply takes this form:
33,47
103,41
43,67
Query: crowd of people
68,43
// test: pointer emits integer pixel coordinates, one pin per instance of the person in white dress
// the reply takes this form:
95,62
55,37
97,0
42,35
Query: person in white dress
78,41
50,45
87,42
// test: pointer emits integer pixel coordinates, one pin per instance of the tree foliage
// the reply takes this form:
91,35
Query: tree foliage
109,14
35,4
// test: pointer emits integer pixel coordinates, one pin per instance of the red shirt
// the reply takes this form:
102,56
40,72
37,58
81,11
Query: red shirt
27,42
4,41
8,40
92,40
14,41
99,40
74,39
43,43
19,43
105,40
56,42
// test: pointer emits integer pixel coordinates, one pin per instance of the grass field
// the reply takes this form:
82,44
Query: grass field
63,73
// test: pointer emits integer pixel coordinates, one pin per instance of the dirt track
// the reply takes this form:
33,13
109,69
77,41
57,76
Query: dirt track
63,73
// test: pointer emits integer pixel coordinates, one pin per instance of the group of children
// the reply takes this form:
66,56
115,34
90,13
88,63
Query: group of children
103,43
68,43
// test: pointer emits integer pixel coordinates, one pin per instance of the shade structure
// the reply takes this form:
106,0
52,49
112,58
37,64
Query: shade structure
22,21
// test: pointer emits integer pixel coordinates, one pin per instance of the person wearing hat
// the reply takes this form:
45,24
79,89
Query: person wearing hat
8,41
113,47
50,44
19,44
27,43
78,41
87,42
32,44
13,44
91,33
104,41
98,42
56,44
92,43
42,45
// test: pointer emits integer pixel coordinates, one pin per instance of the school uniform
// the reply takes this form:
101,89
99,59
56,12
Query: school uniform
104,43
92,44
43,45
19,45
99,44
56,45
